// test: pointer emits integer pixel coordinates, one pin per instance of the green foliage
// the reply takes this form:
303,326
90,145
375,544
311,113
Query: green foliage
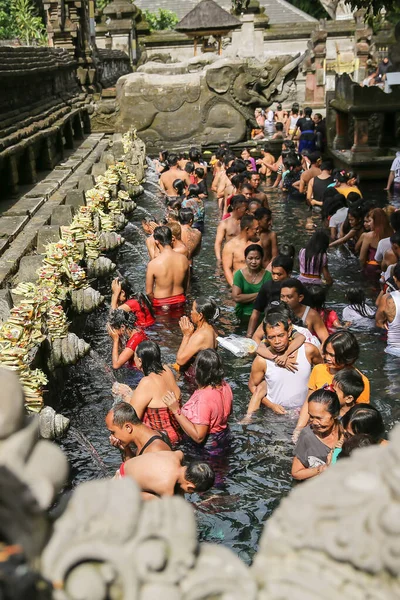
8,29
160,20
311,7
30,27
374,7
101,4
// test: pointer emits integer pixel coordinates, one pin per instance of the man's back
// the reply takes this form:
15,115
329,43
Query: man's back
192,239
168,178
155,472
170,271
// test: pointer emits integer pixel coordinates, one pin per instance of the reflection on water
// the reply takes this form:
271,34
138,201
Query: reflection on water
255,474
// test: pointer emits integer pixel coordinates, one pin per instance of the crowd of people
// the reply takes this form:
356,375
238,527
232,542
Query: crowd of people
306,357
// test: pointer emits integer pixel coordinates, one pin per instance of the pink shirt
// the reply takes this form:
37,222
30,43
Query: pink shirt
210,406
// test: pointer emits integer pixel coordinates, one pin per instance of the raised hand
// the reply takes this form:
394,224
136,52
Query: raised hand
186,326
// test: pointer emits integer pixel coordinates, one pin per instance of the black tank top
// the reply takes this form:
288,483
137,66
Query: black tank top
320,186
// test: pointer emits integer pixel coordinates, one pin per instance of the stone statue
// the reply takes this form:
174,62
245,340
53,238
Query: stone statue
337,9
239,6
203,100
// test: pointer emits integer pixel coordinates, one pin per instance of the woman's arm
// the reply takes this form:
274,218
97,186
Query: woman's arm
359,242
300,472
364,250
115,292
327,275
238,296
343,239
126,354
197,433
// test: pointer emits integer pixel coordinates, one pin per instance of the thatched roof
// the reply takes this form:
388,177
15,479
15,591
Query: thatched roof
206,16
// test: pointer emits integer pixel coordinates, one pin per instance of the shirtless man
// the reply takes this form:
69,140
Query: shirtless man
167,275
190,237
312,171
225,187
230,227
195,158
126,428
388,315
163,474
177,244
255,182
268,239
267,159
233,252
292,292
174,172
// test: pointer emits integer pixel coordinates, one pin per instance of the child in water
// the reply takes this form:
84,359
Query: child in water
317,299
358,312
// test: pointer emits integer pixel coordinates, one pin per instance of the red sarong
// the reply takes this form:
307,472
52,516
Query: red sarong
171,301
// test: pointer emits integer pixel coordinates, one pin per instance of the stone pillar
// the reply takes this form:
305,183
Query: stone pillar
248,41
360,145
120,25
342,126
315,68
362,43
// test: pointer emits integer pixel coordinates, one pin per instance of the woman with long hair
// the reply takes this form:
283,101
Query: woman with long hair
351,229
346,183
380,228
358,312
204,417
123,330
313,260
123,297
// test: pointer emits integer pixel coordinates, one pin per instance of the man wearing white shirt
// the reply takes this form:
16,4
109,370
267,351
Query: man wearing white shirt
394,175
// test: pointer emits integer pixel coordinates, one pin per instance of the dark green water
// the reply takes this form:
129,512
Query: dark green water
255,474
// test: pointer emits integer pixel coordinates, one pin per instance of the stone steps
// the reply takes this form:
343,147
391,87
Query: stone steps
20,225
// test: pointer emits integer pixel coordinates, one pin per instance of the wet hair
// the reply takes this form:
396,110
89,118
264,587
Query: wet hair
239,165
194,154
381,223
174,204
193,190
285,262
163,235
173,159
273,318
365,418
208,308
199,172
328,398
314,157
150,354
326,165
332,204
123,412
186,216
345,347
354,199
142,298
238,200
121,318
262,212
317,296
208,368
294,283
248,186
254,248
359,440
251,173
315,251
176,230
201,475
283,309
356,299
189,167
255,201
287,250
183,155
246,221
344,176
179,186
278,126
237,180
356,213
350,382
396,271
395,220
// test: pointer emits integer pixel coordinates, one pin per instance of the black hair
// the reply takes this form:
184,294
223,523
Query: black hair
193,190
262,212
123,412
248,186
365,418
317,296
237,200
239,165
164,155
255,201
150,354
208,368
184,155
326,165
278,126
344,176
284,310
287,250
251,173
254,248
228,158
308,111
172,159
290,145
186,216
395,238
356,212
121,318
194,154
237,180
201,474
246,221
273,318
292,282
189,167
331,206
163,235
315,251
395,220
199,172
356,299
350,382
285,262
208,308
345,347
318,115
354,198
142,298
396,271
314,157
179,186
359,440
328,398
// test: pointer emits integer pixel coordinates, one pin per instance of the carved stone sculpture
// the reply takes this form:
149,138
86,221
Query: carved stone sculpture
67,350
203,100
86,300
100,267
51,425
109,240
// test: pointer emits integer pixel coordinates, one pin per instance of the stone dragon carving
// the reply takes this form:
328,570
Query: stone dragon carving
203,100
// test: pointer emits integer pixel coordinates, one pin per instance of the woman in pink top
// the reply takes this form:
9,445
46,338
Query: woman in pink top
204,417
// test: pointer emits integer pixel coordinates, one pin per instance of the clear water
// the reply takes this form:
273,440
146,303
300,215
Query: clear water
255,474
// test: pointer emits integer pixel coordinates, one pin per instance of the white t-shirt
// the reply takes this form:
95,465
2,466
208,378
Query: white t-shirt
396,168
338,218
383,246
349,314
